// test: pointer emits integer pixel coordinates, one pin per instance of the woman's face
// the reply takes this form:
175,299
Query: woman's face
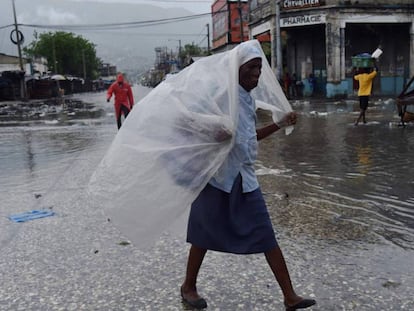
249,74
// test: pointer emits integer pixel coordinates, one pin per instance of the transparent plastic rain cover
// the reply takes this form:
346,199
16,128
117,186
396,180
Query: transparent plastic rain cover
169,146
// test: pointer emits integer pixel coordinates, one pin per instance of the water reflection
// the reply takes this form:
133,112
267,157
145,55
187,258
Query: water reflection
33,160
36,154
29,152
353,182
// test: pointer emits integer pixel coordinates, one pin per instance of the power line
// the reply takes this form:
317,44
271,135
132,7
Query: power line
200,42
145,34
109,26
136,24
7,26
124,25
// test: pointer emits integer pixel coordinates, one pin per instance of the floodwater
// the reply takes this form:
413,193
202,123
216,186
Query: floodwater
356,175
341,198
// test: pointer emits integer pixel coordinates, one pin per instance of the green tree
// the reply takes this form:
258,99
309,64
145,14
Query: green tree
191,50
66,53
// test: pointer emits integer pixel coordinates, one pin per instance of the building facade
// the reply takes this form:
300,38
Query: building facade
230,23
320,38
12,63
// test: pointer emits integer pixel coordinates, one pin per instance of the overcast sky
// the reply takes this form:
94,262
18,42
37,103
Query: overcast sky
196,6
135,44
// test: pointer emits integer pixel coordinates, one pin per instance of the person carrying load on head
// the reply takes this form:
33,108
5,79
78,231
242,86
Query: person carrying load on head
364,90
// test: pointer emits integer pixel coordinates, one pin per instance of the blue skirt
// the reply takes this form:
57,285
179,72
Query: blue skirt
234,222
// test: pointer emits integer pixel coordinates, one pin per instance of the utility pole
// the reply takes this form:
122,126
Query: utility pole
278,46
208,39
179,54
84,64
54,55
55,65
19,39
239,7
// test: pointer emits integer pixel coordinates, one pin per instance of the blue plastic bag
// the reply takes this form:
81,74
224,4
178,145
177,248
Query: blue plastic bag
35,214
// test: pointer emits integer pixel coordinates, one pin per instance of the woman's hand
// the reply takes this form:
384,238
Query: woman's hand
220,128
289,119
222,135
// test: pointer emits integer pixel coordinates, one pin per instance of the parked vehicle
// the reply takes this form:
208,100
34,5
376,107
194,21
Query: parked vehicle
405,103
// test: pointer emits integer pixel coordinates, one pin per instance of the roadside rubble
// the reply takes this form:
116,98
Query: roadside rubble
49,109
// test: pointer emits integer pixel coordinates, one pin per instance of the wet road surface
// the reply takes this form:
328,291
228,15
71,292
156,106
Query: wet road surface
340,197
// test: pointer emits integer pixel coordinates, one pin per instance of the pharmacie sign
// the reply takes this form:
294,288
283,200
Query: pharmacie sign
298,4
302,20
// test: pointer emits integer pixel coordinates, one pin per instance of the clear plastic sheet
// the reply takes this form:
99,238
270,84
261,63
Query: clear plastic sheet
173,142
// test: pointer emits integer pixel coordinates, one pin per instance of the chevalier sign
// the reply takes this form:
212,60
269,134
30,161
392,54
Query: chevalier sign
296,4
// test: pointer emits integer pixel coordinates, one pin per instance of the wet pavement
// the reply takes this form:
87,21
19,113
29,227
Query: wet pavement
57,110
340,197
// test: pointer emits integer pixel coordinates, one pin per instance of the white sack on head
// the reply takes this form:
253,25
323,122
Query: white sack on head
173,142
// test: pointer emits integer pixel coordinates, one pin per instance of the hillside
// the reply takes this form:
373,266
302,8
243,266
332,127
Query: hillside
127,48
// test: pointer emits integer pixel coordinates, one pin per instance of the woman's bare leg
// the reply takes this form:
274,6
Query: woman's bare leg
278,266
195,259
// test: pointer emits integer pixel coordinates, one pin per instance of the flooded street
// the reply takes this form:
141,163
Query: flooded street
355,175
341,198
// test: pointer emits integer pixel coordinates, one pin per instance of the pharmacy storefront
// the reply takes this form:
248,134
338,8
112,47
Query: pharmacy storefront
304,47
320,40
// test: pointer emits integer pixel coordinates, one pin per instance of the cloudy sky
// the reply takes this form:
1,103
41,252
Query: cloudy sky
119,46
196,6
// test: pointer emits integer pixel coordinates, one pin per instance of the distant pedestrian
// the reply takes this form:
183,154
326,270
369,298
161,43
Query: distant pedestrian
364,91
293,87
124,99
299,88
286,83
312,83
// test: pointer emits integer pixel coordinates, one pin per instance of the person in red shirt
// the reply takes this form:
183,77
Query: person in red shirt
124,99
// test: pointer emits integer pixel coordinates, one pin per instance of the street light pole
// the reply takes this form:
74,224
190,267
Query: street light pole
208,39
84,64
278,46
16,28
19,49
179,51
239,7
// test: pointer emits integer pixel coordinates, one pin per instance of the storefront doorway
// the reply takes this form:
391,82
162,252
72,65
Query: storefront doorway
393,65
304,53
